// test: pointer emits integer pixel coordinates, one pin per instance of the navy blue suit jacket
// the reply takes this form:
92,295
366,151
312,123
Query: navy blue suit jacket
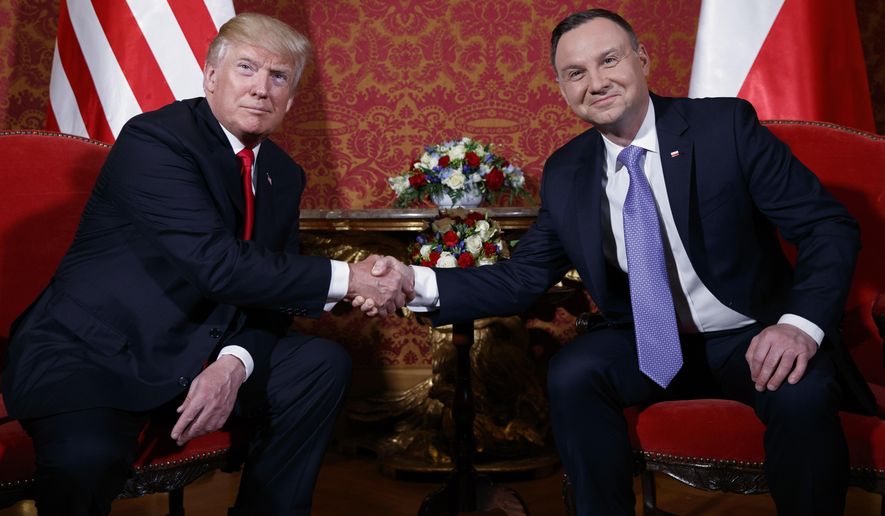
731,187
156,278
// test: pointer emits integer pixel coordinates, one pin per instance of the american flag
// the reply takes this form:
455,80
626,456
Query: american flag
117,58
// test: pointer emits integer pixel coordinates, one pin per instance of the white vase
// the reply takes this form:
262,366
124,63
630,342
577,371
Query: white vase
471,198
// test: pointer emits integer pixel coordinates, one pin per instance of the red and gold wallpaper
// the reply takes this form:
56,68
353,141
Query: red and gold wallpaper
390,76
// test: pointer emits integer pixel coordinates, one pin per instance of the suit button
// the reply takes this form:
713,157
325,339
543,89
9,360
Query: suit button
215,333
184,382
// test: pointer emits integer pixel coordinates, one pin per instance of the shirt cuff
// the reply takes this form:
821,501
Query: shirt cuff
241,354
805,325
426,290
338,285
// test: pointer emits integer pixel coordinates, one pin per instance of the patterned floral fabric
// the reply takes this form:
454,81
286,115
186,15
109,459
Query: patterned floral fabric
390,76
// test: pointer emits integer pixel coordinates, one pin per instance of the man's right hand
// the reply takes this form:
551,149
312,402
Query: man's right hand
379,285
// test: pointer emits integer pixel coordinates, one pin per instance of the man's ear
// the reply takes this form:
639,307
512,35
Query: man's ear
209,77
644,59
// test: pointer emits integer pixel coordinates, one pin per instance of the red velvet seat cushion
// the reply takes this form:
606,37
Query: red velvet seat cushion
723,430
155,448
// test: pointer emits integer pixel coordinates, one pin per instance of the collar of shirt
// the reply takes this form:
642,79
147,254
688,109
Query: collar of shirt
646,137
237,146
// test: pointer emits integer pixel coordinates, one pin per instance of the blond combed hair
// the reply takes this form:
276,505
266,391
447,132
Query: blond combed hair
262,31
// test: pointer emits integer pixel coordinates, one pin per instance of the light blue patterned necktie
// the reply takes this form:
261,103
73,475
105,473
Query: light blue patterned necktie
654,318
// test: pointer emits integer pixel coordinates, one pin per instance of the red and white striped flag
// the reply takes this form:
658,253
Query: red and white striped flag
793,59
117,58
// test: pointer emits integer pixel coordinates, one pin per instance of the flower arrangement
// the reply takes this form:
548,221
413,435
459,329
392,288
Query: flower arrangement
459,238
459,169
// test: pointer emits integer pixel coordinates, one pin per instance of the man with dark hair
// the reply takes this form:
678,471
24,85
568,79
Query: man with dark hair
669,209
182,278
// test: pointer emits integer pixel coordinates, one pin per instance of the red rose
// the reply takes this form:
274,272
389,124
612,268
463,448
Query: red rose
465,260
472,159
434,257
489,249
472,217
450,239
495,179
417,180
444,162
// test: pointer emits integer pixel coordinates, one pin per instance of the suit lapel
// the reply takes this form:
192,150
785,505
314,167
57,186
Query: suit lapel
677,154
226,163
265,211
587,196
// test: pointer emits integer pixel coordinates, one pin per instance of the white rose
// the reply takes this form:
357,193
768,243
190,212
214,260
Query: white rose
455,181
516,177
446,260
425,251
473,244
480,151
484,229
458,152
425,160
399,184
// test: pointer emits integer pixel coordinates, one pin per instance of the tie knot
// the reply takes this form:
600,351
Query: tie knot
630,156
247,156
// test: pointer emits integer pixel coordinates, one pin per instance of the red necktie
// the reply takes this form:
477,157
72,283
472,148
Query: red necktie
247,157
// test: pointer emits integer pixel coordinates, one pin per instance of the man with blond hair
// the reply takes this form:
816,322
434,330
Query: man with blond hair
177,294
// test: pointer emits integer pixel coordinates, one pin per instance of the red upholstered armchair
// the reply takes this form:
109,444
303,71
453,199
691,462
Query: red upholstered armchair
47,178
717,444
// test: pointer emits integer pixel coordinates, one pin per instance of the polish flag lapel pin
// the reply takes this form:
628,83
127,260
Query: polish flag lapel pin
674,154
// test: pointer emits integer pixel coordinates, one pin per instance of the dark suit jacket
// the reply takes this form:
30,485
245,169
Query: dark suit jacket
731,187
156,278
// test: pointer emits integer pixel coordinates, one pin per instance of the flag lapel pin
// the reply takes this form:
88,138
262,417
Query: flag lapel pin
269,180
674,154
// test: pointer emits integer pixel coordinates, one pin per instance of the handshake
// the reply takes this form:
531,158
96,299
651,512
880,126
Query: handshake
379,285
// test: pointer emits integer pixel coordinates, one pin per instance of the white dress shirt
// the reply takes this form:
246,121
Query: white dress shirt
697,309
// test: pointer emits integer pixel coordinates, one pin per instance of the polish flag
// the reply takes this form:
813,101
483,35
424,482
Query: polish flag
117,58
793,59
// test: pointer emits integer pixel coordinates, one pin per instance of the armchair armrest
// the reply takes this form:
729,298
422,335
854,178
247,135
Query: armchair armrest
879,314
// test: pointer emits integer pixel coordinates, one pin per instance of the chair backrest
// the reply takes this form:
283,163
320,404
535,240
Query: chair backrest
851,165
47,178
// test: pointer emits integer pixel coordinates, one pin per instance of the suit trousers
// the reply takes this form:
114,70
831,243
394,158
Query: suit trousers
593,378
84,457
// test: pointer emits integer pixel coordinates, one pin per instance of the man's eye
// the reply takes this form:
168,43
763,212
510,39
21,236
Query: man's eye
610,61
574,75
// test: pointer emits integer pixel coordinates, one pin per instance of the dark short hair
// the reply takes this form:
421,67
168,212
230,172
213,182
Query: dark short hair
579,18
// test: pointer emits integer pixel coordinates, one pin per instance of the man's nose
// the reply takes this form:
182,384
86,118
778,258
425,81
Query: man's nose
259,85
597,82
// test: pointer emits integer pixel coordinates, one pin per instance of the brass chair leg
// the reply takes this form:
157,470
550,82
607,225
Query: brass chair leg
649,497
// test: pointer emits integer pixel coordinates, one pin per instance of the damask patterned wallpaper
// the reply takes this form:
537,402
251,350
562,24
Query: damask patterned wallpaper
390,76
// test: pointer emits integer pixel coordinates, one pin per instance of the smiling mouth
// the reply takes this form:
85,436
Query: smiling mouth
603,100
256,109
